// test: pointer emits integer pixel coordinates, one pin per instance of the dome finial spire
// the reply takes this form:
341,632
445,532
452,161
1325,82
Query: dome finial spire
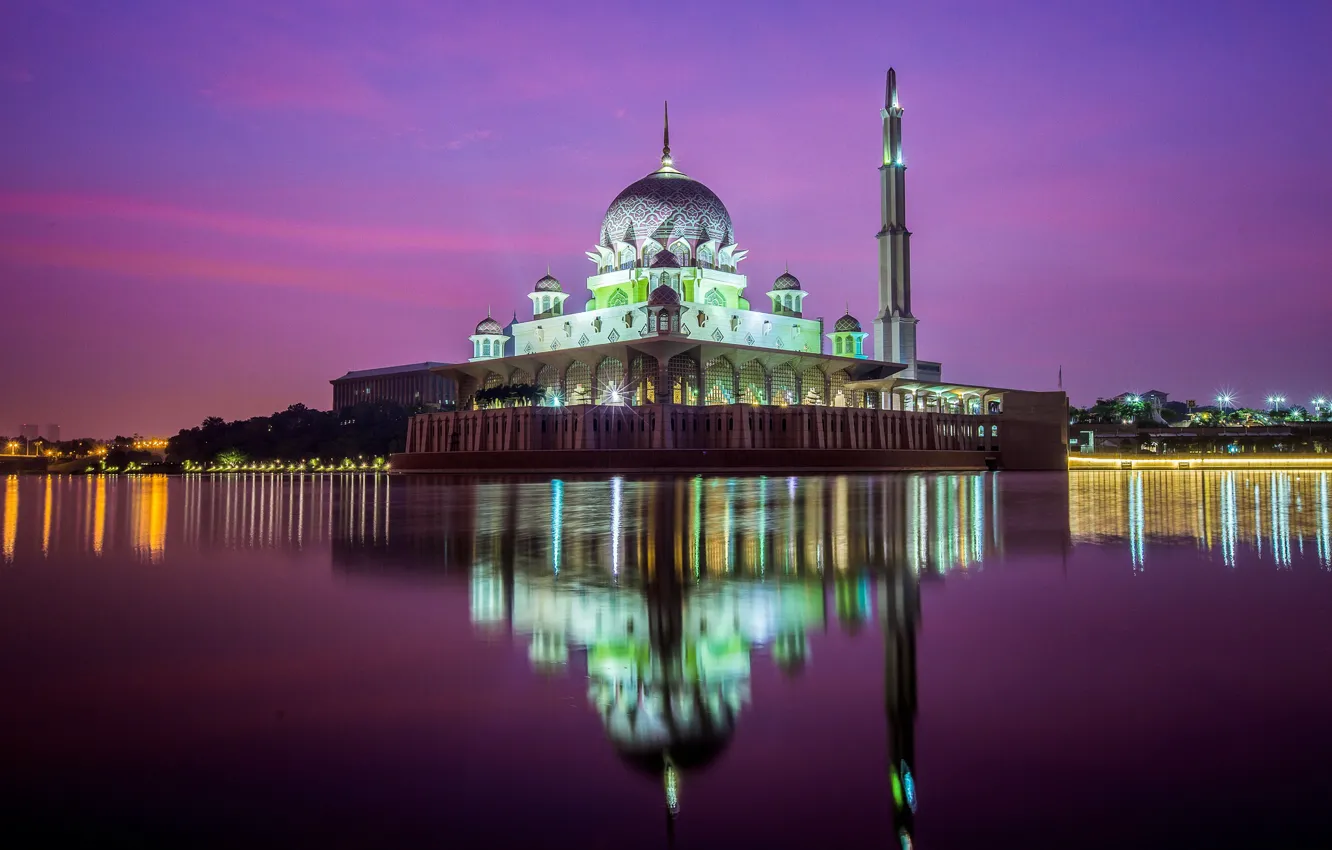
666,133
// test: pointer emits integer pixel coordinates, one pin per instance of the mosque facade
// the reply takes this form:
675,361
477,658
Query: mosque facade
669,322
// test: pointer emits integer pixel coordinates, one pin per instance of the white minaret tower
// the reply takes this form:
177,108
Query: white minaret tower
895,327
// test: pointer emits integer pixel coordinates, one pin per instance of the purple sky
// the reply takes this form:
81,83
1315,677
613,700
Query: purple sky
215,211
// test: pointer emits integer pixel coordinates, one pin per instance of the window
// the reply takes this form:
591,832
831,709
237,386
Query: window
485,350
812,384
578,382
545,303
719,380
627,257
610,382
643,379
682,372
681,252
663,322
837,345
753,384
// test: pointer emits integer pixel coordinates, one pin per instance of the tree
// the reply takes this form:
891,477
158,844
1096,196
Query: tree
230,458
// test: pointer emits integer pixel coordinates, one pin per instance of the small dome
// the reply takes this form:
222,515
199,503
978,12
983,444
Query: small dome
548,283
489,326
847,323
663,296
786,280
665,260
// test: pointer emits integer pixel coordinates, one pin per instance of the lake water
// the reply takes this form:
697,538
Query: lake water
1104,659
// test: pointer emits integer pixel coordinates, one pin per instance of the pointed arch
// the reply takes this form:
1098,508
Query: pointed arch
618,298
651,249
715,298
578,383
719,381
643,379
838,394
680,248
610,377
785,389
753,383
485,348
682,376
548,381
707,257
812,385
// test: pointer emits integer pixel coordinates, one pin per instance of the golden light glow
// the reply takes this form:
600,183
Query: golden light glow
149,513
99,515
46,518
11,517
1199,462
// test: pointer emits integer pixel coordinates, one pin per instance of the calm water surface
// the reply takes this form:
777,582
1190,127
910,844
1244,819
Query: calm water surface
1106,659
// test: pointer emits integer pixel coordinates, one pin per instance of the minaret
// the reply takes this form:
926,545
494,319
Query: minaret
895,327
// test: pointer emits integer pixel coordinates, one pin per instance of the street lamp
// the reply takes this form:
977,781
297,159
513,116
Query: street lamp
1225,400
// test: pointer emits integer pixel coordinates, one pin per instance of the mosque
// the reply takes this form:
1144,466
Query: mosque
668,336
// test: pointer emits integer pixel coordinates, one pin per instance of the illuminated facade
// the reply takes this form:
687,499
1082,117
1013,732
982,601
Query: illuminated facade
668,317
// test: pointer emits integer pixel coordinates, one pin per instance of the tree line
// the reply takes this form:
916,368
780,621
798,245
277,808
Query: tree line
370,429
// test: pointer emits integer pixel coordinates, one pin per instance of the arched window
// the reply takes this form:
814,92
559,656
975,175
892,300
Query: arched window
719,381
610,382
860,345
837,389
548,381
618,299
787,301
837,345
715,298
485,348
650,251
545,303
681,251
753,384
705,256
664,322
627,257
812,384
643,379
682,372
578,383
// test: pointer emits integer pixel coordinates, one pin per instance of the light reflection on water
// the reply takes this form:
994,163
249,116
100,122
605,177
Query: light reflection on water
752,525
1277,514
668,600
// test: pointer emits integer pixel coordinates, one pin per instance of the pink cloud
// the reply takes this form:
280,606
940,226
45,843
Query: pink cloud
333,237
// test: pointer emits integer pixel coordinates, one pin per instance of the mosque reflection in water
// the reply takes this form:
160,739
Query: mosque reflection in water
670,590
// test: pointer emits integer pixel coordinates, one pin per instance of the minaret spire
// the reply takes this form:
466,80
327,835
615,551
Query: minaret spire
666,133
895,326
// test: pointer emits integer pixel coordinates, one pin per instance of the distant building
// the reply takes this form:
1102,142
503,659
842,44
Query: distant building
50,432
411,385
30,431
